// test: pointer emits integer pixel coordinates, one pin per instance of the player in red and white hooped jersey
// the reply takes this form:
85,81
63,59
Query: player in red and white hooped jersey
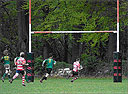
76,66
20,62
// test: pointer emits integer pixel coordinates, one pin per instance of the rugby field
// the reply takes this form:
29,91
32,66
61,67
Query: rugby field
64,86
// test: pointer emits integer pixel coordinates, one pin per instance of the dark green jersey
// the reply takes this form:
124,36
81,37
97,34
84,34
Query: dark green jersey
49,63
5,60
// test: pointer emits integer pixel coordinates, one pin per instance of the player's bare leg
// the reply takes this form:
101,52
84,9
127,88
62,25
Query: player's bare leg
44,78
74,79
14,77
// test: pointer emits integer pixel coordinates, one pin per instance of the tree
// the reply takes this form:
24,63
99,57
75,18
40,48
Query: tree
22,27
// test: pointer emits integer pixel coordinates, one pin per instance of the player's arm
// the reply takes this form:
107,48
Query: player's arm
44,63
54,62
24,62
15,61
2,59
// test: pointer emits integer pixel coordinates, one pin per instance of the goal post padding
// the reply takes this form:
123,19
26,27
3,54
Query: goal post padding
30,67
117,67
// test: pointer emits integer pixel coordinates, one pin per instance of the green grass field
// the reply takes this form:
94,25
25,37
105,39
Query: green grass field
64,86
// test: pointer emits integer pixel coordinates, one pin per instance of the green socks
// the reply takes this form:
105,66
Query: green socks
4,75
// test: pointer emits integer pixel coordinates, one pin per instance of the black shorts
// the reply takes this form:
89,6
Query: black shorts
75,73
20,72
48,70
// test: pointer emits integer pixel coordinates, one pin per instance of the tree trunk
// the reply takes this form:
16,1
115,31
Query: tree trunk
22,29
75,47
45,50
111,46
65,59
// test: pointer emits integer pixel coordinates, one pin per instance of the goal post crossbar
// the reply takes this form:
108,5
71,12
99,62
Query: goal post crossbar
38,32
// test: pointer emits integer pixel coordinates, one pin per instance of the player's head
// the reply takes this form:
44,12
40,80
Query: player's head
5,52
50,55
78,59
22,54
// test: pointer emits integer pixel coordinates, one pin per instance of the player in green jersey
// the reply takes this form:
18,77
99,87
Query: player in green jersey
48,63
5,60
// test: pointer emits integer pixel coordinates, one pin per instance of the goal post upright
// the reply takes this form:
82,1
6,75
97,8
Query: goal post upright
30,26
117,65
117,25
30,55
